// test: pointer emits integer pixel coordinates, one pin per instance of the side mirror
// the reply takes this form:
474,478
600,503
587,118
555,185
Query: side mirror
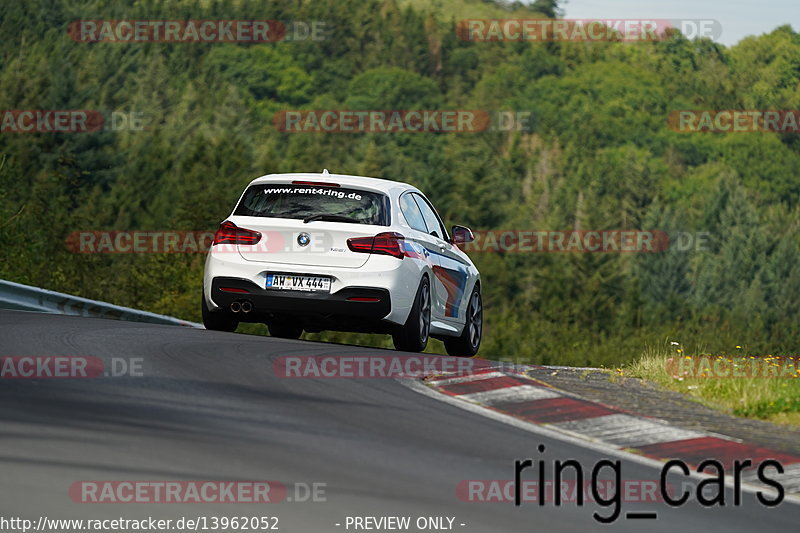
462,235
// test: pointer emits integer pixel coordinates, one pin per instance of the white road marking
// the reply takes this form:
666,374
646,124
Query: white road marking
790,479
517,393
465,379
627,431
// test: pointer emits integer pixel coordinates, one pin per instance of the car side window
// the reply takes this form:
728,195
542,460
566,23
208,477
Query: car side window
412,213
431,219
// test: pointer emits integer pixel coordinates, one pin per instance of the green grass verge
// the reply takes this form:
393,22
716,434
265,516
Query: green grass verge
766,387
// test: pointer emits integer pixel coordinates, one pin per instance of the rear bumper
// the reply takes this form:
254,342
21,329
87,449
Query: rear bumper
315,310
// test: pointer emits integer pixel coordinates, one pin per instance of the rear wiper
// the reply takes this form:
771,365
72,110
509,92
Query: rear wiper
331,218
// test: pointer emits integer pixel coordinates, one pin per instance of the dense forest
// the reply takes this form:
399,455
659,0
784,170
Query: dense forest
598,154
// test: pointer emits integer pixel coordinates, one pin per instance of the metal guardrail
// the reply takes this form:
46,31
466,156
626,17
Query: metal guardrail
26,298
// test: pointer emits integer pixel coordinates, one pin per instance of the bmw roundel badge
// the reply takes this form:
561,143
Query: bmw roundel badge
304,239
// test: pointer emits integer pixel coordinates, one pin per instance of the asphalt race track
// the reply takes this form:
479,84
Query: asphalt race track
209,407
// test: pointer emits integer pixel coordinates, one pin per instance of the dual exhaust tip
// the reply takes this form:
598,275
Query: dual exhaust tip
244,306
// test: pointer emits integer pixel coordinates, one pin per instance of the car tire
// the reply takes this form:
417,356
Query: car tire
217,321
283,330
468,343
414,334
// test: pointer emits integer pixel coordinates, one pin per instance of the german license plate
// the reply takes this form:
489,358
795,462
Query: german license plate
296,282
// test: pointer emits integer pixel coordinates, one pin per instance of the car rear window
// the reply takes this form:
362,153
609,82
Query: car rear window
300,202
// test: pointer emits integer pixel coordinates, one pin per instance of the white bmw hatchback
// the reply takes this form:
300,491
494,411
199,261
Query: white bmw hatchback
314,252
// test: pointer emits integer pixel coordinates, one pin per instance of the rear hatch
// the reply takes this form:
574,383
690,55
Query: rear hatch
308,224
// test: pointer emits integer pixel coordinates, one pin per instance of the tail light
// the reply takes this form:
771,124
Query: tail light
387,243
230,233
